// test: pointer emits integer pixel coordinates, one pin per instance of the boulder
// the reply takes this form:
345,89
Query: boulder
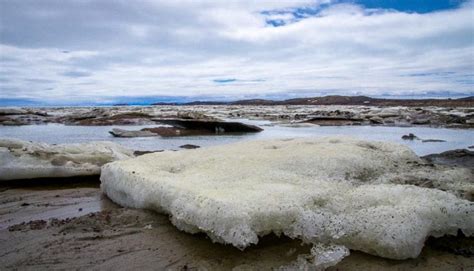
410,136
461,157
138,153
211,126
337,191
432,140
28,160
189,146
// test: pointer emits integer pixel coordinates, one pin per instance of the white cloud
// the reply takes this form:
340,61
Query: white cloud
178,48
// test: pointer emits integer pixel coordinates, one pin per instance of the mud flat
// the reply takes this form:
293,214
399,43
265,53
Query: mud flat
106,236
430,115
72,225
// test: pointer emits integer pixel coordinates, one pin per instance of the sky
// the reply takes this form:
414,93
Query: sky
106,52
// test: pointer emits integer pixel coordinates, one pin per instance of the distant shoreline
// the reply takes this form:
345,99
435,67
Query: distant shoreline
342,100
320,100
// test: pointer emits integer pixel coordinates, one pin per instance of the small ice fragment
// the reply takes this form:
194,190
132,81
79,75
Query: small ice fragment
148,227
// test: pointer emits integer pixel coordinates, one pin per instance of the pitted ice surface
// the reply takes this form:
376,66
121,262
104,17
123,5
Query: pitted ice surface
336,191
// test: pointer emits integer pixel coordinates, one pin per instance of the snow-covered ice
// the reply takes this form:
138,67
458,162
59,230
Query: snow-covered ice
336,191
26,160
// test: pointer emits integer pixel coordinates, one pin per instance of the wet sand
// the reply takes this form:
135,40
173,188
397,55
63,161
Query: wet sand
73,226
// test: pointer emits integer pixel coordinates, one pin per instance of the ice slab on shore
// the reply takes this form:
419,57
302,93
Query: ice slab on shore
337,191
26,160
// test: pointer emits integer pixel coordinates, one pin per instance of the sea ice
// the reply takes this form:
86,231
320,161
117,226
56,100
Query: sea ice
337,191
27,160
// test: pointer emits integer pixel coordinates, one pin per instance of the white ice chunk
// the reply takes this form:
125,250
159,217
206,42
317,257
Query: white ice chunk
26,160
322,256
336,191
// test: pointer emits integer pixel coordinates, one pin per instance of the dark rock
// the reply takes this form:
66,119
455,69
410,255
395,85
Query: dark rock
432,140
421,122
206,127
138,153
32,225
410,136
461,157
12,111
458,245
376,120
189,146
135,118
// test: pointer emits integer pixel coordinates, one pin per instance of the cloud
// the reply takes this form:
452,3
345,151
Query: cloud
93,49
221,81
76,74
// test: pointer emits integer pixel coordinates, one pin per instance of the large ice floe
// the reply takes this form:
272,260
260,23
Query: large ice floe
340,193
26,160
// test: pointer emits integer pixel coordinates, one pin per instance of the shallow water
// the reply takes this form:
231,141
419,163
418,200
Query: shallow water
58,133
42,203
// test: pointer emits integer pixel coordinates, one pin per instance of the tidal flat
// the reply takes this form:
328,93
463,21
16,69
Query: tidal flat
70,223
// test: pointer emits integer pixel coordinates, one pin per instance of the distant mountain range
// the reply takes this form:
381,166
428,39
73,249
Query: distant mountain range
342,100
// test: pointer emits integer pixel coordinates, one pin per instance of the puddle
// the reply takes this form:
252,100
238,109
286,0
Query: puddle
50,198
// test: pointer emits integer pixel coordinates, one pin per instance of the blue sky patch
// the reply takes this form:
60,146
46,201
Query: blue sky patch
418,6
410,6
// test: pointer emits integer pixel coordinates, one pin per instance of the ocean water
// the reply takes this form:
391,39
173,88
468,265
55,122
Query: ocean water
57,133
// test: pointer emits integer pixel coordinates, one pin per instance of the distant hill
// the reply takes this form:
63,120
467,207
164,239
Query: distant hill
344,100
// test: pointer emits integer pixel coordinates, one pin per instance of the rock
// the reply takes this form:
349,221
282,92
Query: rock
338,191
458,245
432,140
189,146
193,115
22,117
421,122
13,111
471,147
461,157
27,160
410,136
173,131
376,120
126,133
459,117
129,118
389,113
334,121
138,153
185,127
208,126
294,125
